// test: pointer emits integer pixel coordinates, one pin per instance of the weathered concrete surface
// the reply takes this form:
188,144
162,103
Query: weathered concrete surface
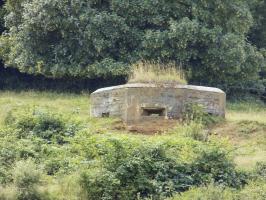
136,102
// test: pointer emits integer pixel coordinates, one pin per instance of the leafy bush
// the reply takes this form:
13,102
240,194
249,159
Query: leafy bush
151,170
53,158
46,125
56,163
144,173
213,164
35,134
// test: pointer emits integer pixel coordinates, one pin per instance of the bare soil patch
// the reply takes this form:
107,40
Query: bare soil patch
148,127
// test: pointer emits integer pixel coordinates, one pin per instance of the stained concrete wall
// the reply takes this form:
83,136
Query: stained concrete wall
108,102
130,102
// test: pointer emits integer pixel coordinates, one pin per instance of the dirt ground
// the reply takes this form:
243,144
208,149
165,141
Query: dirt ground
148,127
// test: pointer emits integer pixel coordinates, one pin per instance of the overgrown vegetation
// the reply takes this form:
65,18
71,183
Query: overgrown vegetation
50,148
40,123
158,73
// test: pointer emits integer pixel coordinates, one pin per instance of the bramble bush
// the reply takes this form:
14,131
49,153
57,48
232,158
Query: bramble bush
39,135
149,170
52,156
44,124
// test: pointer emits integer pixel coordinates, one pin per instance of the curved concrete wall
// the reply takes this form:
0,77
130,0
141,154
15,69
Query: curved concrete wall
134,102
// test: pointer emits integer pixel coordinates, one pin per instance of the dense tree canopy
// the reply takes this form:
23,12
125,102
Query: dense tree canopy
99,38
2,13
2,24
258,31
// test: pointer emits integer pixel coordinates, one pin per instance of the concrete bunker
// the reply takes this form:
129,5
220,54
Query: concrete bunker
137,102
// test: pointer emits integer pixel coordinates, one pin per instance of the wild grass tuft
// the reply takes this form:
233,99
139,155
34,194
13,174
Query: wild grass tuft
151,72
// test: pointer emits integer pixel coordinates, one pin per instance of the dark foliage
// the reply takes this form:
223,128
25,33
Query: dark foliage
149,172
102,38
11,78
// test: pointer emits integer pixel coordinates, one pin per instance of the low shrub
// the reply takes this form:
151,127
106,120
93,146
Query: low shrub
54,158
144,173
152,171
12,150
44,124
213,164
56,163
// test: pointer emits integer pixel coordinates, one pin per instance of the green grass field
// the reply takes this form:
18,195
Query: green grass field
245,126
244,129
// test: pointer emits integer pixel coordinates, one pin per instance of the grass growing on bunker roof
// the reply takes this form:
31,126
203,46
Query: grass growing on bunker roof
151,72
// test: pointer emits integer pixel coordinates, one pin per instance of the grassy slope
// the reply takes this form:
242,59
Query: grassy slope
245,123
245,126
64,103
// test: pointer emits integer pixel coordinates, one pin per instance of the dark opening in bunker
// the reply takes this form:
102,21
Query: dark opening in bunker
153,111
106,114
210,114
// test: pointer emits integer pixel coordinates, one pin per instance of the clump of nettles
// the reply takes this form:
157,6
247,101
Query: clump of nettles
194,112
195,119
47,125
